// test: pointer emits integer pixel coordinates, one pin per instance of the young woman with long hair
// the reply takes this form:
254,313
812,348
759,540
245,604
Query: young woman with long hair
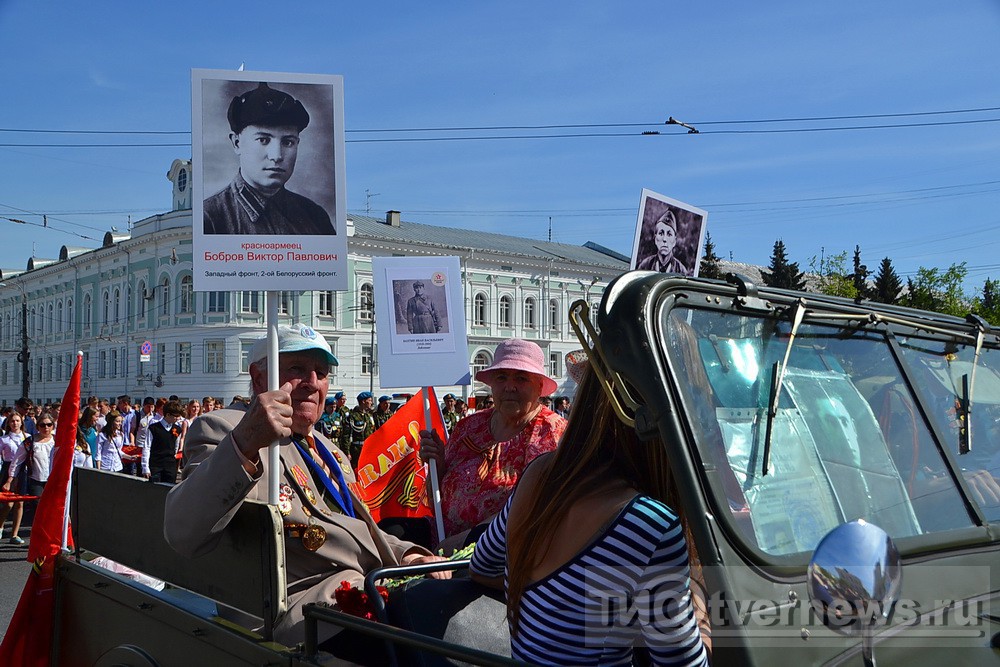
596,520
86,439
110,441
11,444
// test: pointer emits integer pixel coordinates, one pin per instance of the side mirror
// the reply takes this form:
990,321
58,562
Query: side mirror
854,581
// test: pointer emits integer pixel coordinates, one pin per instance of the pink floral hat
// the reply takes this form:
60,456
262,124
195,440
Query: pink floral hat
516,354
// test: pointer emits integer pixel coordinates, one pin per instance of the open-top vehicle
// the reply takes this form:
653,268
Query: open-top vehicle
836,463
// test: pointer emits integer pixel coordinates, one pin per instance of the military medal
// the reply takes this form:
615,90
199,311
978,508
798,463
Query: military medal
309,495
313,537
284,505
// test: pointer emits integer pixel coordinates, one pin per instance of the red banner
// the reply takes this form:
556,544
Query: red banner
28,638
391,478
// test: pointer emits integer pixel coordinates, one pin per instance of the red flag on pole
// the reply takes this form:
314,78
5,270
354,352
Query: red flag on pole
29,635
391,477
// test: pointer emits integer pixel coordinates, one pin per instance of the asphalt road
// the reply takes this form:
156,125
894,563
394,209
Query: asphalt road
14,569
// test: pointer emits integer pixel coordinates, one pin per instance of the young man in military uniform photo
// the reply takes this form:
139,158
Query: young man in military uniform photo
265,127
421,316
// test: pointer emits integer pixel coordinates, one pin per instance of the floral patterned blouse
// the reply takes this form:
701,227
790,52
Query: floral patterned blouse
481,473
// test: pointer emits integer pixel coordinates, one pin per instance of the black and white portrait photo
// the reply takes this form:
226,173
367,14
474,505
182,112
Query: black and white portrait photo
267,150
421,307
668,237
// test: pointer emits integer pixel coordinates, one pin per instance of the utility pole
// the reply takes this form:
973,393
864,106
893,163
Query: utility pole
25,356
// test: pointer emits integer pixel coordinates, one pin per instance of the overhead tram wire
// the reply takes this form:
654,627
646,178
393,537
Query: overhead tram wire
545,127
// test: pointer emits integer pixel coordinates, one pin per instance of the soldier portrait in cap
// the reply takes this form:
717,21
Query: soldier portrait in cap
265,146
421,307
668,236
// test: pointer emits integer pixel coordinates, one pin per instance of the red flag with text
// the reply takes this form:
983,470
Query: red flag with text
29,634
391,478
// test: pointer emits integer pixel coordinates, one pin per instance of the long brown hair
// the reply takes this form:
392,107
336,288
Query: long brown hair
596,446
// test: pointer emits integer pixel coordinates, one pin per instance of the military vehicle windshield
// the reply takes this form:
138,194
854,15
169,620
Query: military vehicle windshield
853,432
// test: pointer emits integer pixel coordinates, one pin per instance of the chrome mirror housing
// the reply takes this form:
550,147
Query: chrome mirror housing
854,581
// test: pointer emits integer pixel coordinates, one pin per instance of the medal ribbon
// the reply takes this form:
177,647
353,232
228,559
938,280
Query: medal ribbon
341,495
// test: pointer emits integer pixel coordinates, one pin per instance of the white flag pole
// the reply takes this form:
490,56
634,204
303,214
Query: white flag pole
273,455
435,485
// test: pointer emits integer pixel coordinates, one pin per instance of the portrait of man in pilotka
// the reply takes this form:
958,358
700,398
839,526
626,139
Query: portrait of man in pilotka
266,146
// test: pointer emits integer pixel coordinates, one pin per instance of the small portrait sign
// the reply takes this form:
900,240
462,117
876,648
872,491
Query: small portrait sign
669,235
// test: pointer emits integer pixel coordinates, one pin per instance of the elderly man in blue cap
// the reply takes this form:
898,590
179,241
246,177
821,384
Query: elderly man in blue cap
265,125
358,425
329,535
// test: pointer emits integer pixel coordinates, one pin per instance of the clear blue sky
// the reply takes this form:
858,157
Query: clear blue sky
924,196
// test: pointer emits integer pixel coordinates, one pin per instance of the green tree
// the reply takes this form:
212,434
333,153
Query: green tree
783,273
887,284
833,277
860,276
988,305
939,291
710,261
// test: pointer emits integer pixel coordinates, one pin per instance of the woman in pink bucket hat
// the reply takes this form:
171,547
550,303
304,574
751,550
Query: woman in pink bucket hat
488,450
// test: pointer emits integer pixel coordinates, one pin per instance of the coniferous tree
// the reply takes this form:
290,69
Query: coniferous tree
710,261
860,276
988,306
783,273
887,284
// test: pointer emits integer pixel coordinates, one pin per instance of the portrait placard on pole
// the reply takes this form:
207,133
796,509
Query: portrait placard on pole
269,188
420,321
669,235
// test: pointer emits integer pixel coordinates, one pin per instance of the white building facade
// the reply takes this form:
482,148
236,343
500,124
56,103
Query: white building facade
138,288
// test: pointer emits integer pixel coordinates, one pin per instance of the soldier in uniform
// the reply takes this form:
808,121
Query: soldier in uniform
448,412
329,423
357,426
383,412
421,317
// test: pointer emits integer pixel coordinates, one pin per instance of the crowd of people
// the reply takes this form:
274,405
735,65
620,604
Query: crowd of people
142,439
543,495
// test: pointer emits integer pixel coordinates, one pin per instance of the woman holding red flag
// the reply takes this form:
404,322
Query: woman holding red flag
488,451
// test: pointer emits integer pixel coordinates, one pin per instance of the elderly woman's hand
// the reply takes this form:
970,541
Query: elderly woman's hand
432,449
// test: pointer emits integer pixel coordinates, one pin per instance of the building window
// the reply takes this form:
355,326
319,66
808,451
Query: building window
140,309
479,310
186,304
102,367
88,312
249,302
480,362
59,324
367,363
284,303
554,360
245,347
554,315
161,358
215,356
118,305
184,358
107,308
70,314
218,302
366,303
114,363
48,368
165,296
326,304
3,372
50,324
529,313
85,368
504,320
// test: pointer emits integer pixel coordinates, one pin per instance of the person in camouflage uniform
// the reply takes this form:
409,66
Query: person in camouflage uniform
357,426
383,412
334,412
448,412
